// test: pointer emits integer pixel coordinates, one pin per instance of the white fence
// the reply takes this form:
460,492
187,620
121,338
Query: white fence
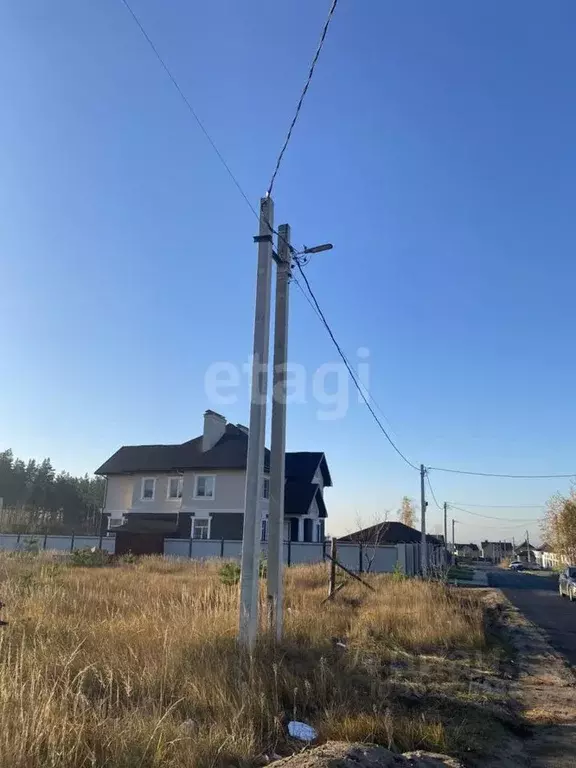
23,542
354,556
551,560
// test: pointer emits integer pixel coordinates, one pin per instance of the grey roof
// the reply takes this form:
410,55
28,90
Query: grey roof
299,495
303,465
389,533
229,453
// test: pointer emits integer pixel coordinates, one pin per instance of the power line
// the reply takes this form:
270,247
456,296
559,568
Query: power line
350,371
189,106
491,517
308,299
495,474
316,306
270,188
499,506
432,491
368,393
200,124
302,95
502,528
318,311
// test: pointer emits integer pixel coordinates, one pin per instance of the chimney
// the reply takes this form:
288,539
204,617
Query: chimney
214,428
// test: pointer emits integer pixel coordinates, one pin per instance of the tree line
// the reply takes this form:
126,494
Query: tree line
37,499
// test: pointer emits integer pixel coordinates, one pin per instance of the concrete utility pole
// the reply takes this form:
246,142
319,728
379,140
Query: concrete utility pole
423,505
453,539
278,439
249,586
446,524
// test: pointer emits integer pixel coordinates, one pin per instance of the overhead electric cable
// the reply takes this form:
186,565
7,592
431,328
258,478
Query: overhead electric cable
188,104
350,370
302,95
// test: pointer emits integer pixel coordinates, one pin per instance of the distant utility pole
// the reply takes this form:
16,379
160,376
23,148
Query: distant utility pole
453,539
528,553
278,439
249,586
423,505
446,524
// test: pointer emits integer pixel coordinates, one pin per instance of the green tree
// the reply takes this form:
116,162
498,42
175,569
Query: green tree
36,499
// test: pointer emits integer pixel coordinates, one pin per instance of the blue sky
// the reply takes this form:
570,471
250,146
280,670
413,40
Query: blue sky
435,150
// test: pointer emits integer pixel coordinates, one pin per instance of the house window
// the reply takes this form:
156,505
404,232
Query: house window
175,487
201,528
318,532
204,487
148,488
266,488
264,535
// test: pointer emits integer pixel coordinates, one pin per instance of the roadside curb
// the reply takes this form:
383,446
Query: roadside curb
480,578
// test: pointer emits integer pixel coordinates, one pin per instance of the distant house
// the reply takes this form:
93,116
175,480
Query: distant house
197,489
467,550
526,552
390,533
497,550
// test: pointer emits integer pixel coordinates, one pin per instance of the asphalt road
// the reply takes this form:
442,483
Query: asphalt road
538,599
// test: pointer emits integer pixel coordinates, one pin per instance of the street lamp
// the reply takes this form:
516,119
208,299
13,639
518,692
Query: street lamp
304,252
316,249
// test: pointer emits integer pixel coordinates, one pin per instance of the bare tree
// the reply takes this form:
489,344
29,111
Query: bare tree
407,512
559,525
369,537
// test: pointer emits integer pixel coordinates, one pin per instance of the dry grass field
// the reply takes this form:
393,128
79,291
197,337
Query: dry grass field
137,666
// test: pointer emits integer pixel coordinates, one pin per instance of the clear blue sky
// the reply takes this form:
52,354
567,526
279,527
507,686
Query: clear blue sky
435,150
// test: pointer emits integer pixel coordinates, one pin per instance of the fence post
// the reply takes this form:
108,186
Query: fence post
333,555
360,558
289,552
18,538
72,542
222,548
100,540
190,548
45,539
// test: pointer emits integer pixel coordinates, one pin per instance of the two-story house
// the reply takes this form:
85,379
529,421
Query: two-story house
467,550
197,489
497,550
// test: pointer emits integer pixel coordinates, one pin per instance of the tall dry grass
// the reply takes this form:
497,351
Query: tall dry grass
137,666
